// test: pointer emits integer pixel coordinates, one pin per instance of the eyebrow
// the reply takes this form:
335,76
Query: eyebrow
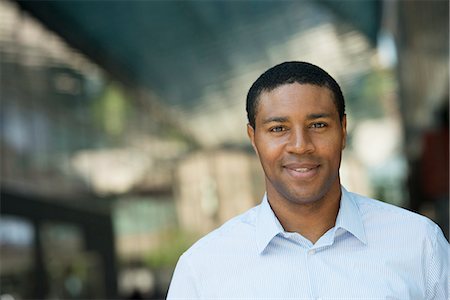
276,119
318,116
285,119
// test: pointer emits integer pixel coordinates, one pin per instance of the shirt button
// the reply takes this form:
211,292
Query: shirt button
311,252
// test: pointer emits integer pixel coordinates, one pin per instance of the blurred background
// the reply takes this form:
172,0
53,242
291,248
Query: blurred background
123,134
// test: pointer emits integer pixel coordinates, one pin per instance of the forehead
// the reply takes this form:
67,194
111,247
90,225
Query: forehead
297,99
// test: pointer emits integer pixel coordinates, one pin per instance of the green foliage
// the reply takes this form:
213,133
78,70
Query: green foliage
368,97
111,110
173,243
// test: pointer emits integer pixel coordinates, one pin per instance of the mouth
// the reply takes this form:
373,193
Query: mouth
302,171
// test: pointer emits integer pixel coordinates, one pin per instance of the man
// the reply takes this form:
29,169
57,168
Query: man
310,238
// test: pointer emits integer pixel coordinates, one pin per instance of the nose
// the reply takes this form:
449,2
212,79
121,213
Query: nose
299,142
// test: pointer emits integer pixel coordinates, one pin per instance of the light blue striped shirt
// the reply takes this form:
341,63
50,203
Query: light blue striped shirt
375,251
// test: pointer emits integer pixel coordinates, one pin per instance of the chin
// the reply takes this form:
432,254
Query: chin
307,194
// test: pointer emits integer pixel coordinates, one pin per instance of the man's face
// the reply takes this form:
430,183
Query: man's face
299,138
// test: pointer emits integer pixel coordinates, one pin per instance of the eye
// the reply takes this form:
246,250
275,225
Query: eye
277,129
319,125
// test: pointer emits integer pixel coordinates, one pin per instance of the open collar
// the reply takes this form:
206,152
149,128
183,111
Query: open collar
348,218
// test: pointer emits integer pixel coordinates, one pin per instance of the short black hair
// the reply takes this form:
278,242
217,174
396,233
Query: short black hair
292,72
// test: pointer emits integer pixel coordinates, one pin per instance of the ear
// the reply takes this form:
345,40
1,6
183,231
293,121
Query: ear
344,131
251,135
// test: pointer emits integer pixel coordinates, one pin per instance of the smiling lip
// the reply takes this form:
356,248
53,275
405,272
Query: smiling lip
302,170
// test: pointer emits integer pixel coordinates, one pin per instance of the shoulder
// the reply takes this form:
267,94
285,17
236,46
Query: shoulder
392,218
236,232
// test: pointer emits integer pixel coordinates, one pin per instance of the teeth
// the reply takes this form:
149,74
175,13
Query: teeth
302,170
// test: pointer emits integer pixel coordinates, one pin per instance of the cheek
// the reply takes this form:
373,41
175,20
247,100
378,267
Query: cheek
268,150
330,147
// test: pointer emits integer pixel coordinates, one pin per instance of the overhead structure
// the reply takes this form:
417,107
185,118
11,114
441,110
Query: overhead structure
199,57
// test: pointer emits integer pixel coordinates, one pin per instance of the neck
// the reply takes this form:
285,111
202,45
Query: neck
311,220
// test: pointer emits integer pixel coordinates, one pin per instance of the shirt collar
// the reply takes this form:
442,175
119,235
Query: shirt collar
348,218
267,225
